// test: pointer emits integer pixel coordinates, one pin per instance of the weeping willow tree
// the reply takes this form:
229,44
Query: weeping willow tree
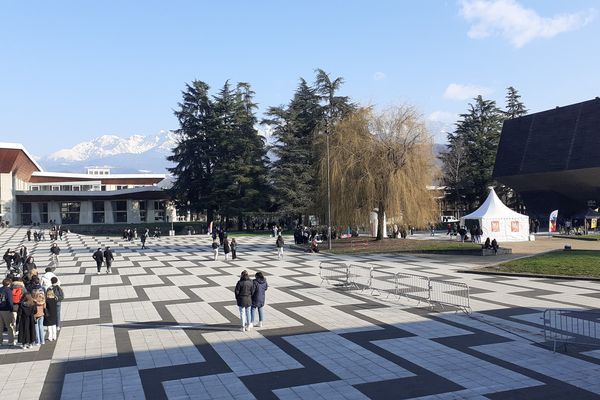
381,161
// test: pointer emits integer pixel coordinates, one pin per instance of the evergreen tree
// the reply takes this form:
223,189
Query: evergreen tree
514,106
294,173
194,153
476,136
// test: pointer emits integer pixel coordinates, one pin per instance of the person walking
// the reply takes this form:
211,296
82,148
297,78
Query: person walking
29,234
39,299
226,248
26,322
54,253
50,314
98,256
233,249
258,298
215,247
108,259
7,318
60,296
144,237
279,244
244,290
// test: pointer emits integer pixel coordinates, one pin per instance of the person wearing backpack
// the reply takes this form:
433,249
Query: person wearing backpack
26,322
7,318
60,296
279,244
215,247
46,279
98,256
39,299
18,292
54,252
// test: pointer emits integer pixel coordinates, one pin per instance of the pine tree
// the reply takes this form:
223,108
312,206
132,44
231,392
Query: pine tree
514,106
294,173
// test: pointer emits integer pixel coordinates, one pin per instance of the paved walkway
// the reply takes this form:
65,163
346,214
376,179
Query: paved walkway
165,325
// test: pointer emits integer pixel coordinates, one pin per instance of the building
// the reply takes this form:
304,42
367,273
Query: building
551,159
28,194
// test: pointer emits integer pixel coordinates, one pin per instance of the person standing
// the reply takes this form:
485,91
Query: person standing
7,318
46,279
29,234
258,298
233,249
279,244
39,299
60,296
108,258
98,256
244,290
26,322
226,248
54,253
50,314
215,247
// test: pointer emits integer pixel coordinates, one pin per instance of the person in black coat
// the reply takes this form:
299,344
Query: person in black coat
50,314
108,258
244,290
26,322
98,256
226,248
258,298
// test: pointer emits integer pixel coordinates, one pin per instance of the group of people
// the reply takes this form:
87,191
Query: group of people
30,308
250,296
229,247
38,235
105,257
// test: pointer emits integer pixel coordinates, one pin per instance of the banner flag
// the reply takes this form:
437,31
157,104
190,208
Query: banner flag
552,221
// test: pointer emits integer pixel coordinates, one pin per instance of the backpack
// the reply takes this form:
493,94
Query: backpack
3,299
17,294
58,292
215,245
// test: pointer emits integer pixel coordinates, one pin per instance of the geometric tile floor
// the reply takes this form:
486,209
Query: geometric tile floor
164,325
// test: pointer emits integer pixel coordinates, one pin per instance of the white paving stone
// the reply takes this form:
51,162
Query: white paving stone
187,280
249,353
23,380
336,390
222,386
115,384
274,319
473,373
349,361
196,313
139,311
76,291
215,294
117,293
163,347
85,342
80,309
334,320
327,296
146,280
167,293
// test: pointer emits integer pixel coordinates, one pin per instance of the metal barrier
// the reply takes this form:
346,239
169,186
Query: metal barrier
571,326
335,272
361,276
450,293
411,286
415,287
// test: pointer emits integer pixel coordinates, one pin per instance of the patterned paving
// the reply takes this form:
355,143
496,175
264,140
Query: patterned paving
164,325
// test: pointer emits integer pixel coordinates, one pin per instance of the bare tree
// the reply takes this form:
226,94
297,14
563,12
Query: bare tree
382,161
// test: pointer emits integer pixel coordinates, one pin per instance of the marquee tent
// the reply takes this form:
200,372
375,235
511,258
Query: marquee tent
499,222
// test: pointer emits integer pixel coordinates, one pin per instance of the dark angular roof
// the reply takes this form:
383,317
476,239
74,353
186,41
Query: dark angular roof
561,139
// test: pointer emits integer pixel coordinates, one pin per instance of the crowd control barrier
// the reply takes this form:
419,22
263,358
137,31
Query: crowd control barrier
571,326
411,286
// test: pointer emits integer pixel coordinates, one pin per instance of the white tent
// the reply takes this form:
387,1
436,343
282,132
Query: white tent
499,222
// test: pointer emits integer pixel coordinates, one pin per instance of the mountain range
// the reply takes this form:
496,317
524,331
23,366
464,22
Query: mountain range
125,155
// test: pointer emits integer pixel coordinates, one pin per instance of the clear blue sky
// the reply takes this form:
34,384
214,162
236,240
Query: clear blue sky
72,70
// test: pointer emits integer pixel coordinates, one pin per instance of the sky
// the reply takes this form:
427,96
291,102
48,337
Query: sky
71,71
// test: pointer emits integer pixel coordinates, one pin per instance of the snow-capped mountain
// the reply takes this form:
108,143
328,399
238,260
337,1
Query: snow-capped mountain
131,154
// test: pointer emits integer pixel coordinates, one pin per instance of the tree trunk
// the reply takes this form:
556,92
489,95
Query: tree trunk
380,221
240,223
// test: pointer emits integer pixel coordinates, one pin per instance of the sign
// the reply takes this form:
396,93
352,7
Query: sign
495,226
552,221
514,226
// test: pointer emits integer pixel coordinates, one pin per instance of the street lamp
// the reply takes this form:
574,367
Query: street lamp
328,193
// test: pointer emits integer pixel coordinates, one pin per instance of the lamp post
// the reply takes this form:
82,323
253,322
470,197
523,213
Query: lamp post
328,194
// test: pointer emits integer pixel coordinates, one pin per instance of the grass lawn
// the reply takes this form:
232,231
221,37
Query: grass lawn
370,245
574,262
591,236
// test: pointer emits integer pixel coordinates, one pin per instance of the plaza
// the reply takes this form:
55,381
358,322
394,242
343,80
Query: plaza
164,325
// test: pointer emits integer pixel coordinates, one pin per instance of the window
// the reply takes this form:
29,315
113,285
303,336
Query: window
120,210
143,214
35,187
44,213
159,210
69,212
119,187
26,213
98,212
103,188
